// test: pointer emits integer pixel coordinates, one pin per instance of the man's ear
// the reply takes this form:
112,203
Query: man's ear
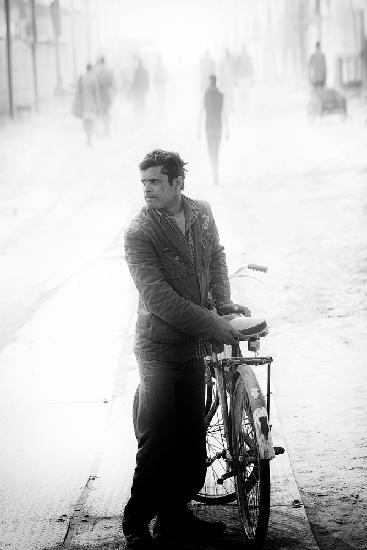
179,183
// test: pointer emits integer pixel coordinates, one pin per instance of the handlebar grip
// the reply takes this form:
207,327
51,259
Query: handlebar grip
256,267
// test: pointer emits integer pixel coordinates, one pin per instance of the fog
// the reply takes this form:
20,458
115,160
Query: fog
287,189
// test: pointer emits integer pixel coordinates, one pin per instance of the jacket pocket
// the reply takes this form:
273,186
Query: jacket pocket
173,264
164,333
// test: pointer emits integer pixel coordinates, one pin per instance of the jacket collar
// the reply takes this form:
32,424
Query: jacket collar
190,209
191,214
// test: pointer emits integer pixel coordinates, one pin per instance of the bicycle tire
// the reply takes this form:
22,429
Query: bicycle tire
213,493
252,473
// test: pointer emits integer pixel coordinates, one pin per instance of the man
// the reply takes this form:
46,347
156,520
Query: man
160,81
245,76
105,80
317,68
89,100
173,252
213,106
140,87
227,77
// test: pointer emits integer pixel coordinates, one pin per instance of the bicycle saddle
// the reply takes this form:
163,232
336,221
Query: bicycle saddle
251,327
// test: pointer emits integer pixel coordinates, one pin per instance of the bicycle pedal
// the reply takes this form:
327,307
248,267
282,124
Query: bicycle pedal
279,450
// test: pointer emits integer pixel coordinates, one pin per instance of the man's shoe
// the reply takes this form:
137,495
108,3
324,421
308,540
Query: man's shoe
139,540
187,526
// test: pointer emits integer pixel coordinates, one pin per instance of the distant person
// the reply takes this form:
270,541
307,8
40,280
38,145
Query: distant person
364,61
89,92
207,67
245,76
214,116
227,77
140,87
160,82
317,68
105,80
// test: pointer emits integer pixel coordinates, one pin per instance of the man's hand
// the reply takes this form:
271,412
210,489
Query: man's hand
225,333
226,309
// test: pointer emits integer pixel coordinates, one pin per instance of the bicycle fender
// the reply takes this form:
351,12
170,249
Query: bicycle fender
259,412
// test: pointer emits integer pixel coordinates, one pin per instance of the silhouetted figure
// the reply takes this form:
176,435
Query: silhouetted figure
140,87
317,68
160,82
105,80
89,90
245,76
227,78
213,106
364,61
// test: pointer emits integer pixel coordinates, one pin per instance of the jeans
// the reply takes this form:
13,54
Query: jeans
170,426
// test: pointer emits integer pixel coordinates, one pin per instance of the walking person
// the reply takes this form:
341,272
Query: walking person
105,81
160,81
317,70
174,255
140,87
215,116
245,77
90,101
227,78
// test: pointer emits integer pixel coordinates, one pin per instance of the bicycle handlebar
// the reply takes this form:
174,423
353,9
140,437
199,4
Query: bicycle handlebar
256,267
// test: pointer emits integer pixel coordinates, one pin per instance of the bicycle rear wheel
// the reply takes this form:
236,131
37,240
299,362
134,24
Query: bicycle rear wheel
252,474
213,492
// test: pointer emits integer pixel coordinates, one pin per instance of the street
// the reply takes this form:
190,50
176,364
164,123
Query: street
291,196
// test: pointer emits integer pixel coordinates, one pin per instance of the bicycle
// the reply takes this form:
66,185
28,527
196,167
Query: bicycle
238,431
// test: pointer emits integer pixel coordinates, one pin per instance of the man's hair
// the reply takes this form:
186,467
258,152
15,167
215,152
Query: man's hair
318,45
213,79
171,162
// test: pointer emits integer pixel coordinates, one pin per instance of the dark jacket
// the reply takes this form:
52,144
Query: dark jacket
213,103
173,286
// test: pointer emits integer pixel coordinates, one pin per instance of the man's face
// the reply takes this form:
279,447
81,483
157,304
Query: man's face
158,192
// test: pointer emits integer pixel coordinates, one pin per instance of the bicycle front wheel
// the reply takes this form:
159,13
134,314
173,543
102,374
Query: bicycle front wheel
252,473
218,464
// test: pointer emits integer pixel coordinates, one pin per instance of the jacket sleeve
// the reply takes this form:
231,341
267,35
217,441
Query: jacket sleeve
158,296
218,282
